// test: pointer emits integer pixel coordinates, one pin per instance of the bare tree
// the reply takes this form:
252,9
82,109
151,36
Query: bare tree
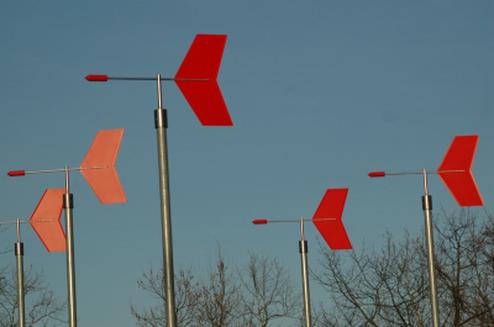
213,303
268,292
186,297
42,308
390,287
220,298
229,297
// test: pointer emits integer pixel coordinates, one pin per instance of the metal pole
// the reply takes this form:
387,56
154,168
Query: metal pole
19,254
427,207
68,204
161,125
303,248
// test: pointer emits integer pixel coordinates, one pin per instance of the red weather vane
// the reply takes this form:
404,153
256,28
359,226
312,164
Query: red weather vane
197,80
328,221
456,172
98,169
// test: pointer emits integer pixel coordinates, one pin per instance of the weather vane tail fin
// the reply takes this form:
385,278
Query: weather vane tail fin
196,79
455,171
45,220
332,230
98,167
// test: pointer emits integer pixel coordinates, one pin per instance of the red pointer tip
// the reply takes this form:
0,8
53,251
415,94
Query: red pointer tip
13,173
260,221
97,78
373,174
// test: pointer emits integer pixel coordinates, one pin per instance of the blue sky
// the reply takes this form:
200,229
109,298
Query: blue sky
321,92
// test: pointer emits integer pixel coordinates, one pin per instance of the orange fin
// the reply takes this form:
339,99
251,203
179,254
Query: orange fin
45,220
98,167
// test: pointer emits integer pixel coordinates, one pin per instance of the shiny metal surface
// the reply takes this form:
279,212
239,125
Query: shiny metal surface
305,275
284,221
128,78
19,255
160,121
71,289
427,207
60,170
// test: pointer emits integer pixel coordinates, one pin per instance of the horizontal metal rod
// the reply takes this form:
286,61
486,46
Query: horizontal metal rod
298,220
125,78
61,170
11,221
23,221
421,172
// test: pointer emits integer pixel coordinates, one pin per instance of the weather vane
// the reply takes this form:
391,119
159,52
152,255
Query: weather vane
98,169
455,172
197,79
328,222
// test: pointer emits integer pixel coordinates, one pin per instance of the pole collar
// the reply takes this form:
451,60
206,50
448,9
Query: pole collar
426,202
160,118
303,246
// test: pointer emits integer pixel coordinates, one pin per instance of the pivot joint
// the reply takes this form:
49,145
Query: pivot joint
426,202
68,201
160,118
19,249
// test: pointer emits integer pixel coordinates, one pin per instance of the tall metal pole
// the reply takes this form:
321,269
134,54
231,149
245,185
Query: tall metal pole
427,207
161,124
68,204
19,254
303,248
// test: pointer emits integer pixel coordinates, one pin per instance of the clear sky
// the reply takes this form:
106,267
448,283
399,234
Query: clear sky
321,92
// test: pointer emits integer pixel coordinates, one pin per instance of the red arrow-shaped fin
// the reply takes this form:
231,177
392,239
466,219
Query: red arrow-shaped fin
196,79
332,231
459,158
98,167
45,220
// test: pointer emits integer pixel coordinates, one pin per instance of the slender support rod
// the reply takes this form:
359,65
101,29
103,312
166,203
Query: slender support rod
427,207
68,204
126,78
61,170
449,171
166,228
19,254
287,221
303,248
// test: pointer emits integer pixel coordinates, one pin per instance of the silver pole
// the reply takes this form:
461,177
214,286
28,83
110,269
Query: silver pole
166,228
68,204
427,207
303,248
19,254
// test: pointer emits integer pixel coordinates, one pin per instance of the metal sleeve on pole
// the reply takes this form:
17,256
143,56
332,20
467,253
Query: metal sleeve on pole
68,201
160,118
427,202
303,246
19,249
